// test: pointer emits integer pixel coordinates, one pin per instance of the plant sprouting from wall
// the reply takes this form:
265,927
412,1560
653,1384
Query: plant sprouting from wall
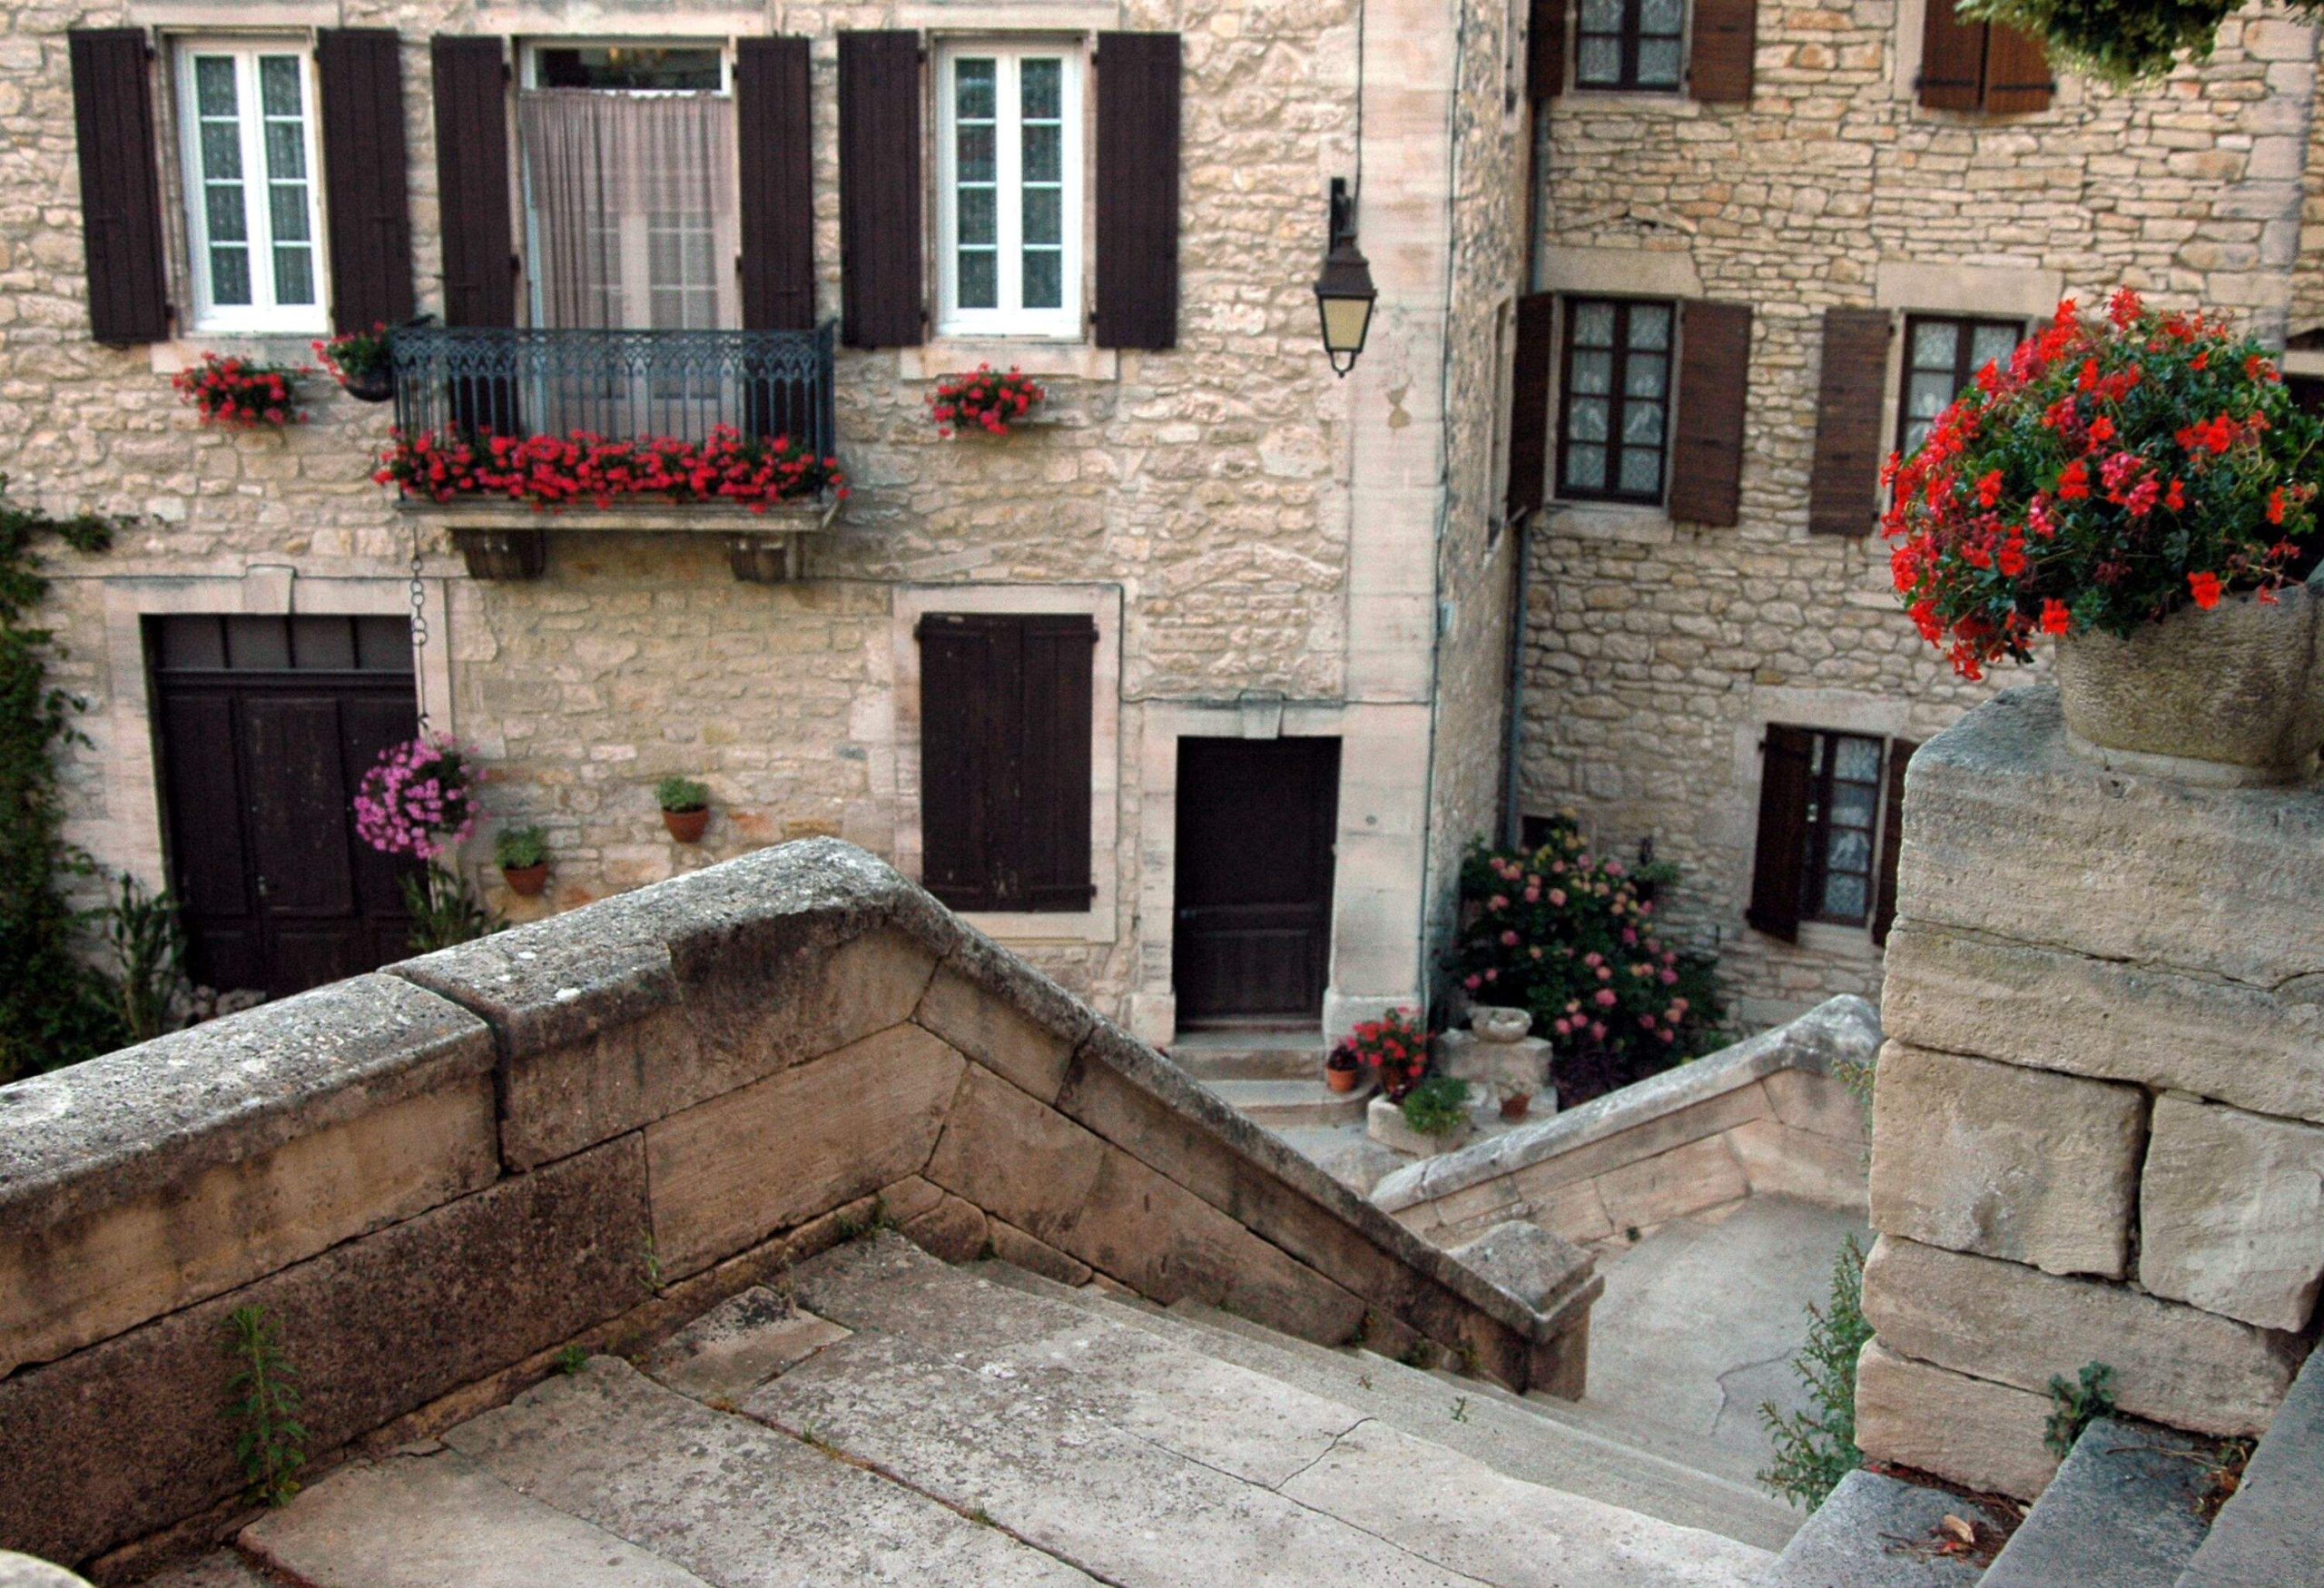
2074,1406
1815,1448
270,1443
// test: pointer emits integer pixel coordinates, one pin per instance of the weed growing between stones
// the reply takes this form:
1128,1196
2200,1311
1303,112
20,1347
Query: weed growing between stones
271,1445
1815,1448
572,1360
2074,1406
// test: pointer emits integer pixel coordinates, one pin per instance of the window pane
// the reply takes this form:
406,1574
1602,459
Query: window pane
230,276
1043,216
383,644
1852,805
1934,342
278,84
286,151
1044,279
1593,372
1649,325
221,152
1643,423
294,274
974,154
631,66
1601,16
222,206
1857,760
213,84
1585,467
287,209
322,642
979,279
1646,375
980,226
1992,344
1593,325
1044,158
1040,90
1844,898
973,99
1586,419
1928,394
1600,61
1657,62
1642,470
1660,17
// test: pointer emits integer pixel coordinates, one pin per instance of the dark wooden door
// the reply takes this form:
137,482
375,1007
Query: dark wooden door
1256,821
266,727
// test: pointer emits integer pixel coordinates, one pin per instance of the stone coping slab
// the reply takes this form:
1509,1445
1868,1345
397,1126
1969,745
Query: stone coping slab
149,1119
1843,1028
2272,1529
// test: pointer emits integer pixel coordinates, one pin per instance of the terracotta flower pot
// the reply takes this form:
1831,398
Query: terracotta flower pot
688,826
1516,1105
2231,697
1339,1080
526,880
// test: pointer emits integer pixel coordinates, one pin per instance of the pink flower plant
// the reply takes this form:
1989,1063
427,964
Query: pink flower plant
417,800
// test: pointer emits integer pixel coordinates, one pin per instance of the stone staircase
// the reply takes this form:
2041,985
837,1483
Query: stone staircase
914,1421
1275,1076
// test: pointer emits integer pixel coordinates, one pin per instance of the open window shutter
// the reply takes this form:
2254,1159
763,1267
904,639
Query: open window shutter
471,89
961,729
121,194
1050,869
364,176
1727,34
882,281
1545,50
1953,59
1786,755
1137,190
776,144
1892,839
1714,376
1844,484
1528,401
2018,80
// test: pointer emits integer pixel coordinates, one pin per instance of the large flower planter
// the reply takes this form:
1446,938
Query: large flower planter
2229,698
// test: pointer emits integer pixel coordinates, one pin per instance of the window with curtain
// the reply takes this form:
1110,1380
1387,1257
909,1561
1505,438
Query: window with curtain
1008,190
253,219
1942,354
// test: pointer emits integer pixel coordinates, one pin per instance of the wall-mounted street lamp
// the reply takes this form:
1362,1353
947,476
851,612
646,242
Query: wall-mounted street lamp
1343,290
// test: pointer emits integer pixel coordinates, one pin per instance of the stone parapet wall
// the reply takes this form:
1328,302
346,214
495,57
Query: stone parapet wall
1773,1114
2099,1127
580,1132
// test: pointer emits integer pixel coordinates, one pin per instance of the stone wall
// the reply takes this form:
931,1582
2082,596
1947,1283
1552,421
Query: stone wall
2099,1127
1659,651
586,1130
1774,1115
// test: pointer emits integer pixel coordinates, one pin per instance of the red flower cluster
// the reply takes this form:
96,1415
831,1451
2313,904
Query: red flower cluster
1396,1045
551,471
354,356
2113,472
985,400
234,391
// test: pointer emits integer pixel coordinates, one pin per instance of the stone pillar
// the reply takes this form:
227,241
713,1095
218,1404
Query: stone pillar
2098,1129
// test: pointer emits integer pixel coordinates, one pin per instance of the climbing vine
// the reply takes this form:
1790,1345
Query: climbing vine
54,1009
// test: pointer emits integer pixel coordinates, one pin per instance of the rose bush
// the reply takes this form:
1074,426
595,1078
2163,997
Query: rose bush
2117,470
551,471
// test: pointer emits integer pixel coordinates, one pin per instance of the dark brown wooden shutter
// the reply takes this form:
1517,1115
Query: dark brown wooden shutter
1842,486
1530,362
1785,757
472,88
1050,869
1714,386
776,138
1892,839
882,281
1545,50
2018,79
1727,34
1953,59
961,741
365,169
1137,297
120,193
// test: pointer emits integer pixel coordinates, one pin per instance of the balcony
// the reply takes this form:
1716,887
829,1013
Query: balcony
473,381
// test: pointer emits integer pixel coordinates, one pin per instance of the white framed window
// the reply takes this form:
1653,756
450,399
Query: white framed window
254,198
1009,164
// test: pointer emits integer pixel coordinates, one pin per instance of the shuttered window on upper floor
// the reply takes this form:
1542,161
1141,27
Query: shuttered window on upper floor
1644,45
1980,67
1655,394
1830,829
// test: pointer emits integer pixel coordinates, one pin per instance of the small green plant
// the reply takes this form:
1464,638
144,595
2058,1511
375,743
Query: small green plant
516,849
1437,1106
654,1280
270,1444
444,911
1815,1448
1460,1409
2073,1406
147,947
572,1360
681,794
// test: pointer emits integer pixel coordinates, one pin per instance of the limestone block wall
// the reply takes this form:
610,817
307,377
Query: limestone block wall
2099,1125
589,1129
1657,650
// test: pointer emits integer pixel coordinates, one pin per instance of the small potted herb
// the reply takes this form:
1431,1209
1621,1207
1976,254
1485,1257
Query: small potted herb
360,362
522,854
1343,1068
685,807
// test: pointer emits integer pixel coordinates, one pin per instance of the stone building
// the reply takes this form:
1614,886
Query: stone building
1192,690
1836,213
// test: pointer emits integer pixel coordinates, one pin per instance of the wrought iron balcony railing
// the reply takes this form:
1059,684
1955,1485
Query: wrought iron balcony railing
619,384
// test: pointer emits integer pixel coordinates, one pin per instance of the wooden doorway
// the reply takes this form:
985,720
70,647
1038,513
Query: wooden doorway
1253,920
265,726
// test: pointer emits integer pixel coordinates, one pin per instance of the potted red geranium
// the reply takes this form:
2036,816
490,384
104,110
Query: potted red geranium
984,400
360,362
1397,1046
235,392
2141,487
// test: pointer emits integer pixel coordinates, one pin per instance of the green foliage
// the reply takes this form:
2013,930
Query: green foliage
54,1009
2073,1406
444,911
2122,42
147,947
1437,1105
270,1444
517,848
572,1360
681,793
1815,1448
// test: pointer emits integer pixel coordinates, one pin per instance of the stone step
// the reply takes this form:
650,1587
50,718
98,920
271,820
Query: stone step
1876,1532
1145,1460
2123,1513
2273,1530
1505,1434
1250,1055
1288,1104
